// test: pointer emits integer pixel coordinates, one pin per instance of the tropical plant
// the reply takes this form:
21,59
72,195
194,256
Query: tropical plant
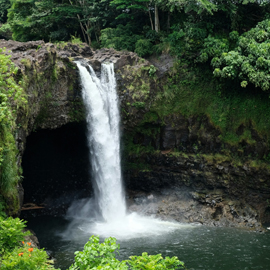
120,38
26,258
11,233
98,255
144,47
102,256
4,6
12,99
47,20
249,62
148,262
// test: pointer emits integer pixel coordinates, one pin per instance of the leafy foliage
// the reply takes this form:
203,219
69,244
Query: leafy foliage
213,47
12,99
26,258
14,252
102,256
11,233
48,20
198,6
98,255
130,8
120,38
4,6
249,62
144,47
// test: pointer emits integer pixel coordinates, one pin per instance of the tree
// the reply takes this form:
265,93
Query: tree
4,6
44,19
131,9
102,256
92,16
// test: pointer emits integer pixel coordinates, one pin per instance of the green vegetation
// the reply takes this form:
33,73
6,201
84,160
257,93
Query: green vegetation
248,62
11,233
195,93
12,101
26,258
4,6
199,31
102,256
16,254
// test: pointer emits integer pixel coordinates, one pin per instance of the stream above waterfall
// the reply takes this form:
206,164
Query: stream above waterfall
200,247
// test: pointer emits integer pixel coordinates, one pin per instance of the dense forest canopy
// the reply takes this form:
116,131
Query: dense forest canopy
229,36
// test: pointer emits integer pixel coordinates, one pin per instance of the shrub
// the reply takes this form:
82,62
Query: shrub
12,99
248,60
26,258
102,256
144,47
148,262
11,233
98,255
120,38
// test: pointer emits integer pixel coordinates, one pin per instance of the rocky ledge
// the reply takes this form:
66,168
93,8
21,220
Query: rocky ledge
190,188
186,187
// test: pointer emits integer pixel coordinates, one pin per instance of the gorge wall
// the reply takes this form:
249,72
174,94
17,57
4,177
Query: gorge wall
176,165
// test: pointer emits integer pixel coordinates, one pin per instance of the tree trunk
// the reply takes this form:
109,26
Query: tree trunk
157,27
84,28
151,21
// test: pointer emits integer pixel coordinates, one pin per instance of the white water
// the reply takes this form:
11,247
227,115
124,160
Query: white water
101,104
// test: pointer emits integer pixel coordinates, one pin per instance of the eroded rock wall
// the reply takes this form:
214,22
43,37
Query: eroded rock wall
174,166
50,81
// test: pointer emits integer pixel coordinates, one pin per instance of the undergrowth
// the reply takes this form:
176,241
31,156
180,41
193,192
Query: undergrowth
12,101
240,117
228,107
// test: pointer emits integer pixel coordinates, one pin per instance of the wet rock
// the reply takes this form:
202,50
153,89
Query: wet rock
119,59
32,239
224,198
188,209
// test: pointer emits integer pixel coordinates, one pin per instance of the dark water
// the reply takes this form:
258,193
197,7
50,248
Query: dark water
201,248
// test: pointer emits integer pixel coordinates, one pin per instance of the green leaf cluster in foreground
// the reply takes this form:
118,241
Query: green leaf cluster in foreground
102,256
16,254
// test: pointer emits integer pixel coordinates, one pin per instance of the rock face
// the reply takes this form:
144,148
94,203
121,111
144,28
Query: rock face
51,85
173,167
186,174
193,189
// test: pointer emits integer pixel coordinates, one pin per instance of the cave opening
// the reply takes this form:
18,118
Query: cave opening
56,169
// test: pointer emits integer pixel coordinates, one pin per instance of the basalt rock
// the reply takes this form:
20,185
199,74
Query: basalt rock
181,177
192,189
52,88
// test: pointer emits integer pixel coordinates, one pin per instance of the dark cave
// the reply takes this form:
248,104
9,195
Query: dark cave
56,168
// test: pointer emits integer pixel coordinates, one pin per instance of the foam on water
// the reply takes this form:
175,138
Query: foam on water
110,219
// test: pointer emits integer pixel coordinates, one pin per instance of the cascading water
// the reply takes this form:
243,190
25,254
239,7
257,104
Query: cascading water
101,102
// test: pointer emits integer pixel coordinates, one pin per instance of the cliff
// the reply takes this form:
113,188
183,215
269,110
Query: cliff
177,161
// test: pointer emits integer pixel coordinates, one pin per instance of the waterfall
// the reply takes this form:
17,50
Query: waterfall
102,115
